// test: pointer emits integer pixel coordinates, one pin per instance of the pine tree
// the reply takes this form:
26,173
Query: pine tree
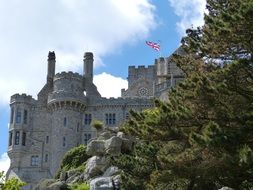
202,137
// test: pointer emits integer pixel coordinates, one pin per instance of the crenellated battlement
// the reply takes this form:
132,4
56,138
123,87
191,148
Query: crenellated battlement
22,98
121,102
140,67
160,60
140,71
68,75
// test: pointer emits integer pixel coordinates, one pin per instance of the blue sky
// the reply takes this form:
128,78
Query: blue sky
114,30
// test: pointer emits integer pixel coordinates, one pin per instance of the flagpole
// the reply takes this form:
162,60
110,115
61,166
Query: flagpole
160,51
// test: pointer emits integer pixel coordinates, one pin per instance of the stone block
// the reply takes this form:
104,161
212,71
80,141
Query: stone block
112,170
105,135
101,183
113,146
95,166
96,148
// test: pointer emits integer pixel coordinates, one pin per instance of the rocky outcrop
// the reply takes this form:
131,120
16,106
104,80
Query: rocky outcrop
99,172
51,184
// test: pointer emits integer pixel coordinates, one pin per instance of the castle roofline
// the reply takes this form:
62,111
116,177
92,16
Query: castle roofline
22,98
140,67
68,75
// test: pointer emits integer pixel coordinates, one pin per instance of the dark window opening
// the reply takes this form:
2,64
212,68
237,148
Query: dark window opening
23,139
12,115
127,116
65,121
10,138
25,116
18,116
77,127
47,139
110,118
87,119
87,137
17,135
46,158
64,141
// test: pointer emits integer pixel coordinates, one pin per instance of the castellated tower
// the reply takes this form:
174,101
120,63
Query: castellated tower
42,130
154,80
66,104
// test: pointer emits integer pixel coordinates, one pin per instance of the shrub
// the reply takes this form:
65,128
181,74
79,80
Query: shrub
75,158
10,184
97,124
80,186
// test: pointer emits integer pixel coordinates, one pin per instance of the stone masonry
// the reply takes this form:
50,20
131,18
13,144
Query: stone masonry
42,130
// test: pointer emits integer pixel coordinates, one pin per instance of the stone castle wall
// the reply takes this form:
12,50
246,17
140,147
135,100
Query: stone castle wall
61,117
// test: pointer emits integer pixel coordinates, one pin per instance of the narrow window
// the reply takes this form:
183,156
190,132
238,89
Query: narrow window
87,119
46,158
64,141
10,138
25,116
18,116
127,116
77,127
17,135
107,118
23,138
65,121
87,137
47,139
35,160
12,115
110,118
113,118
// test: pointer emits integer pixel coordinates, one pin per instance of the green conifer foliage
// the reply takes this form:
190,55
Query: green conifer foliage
202,137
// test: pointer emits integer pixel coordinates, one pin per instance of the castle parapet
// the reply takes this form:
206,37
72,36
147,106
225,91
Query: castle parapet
68,75
60,96
67,88
22,98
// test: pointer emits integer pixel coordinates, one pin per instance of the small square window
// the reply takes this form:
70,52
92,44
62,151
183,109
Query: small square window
35,160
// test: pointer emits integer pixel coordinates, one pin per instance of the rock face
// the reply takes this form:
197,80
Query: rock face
98,171
101,174
95,166
51,184
96,148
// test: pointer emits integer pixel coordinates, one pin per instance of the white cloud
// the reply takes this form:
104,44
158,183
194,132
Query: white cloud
191,13
4,162
29,29
109,85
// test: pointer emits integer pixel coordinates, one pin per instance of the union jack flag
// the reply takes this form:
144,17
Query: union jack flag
153,45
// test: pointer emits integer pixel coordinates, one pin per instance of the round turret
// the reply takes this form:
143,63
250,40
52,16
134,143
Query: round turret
67,89
67,102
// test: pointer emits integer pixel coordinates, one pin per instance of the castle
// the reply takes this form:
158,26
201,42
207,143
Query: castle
42,130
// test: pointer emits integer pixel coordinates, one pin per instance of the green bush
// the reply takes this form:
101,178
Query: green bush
97,124
80,186
75,158
10,184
